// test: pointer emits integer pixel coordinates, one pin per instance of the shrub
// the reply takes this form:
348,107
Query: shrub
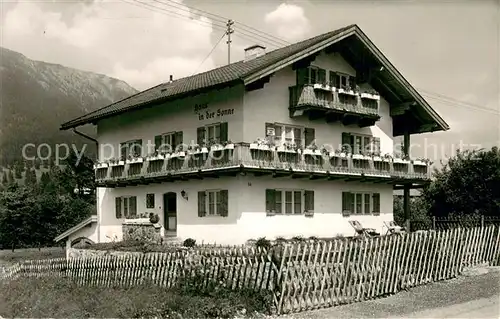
298,238
189,242
263,243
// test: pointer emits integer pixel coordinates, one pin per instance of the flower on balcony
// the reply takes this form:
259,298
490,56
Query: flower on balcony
325,150
387,156
312,146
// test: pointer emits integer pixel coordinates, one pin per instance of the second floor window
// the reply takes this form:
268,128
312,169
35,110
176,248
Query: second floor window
311,75
130,149
281,134
168,141
360,144
213,133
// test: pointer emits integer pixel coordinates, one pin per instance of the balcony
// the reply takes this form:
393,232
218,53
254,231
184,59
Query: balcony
335,105
262,160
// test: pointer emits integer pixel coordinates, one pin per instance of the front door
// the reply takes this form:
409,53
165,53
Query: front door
170,211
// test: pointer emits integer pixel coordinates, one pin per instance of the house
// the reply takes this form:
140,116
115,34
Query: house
297,141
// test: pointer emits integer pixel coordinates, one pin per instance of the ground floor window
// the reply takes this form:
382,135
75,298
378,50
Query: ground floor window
126,207
358,203
289,201
213,203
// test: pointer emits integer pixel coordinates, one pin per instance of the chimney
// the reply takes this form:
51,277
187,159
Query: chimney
171,78
254,51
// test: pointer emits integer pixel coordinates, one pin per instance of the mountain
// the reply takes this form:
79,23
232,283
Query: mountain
37,97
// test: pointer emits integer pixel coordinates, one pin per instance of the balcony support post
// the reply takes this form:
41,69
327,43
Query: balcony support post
406,190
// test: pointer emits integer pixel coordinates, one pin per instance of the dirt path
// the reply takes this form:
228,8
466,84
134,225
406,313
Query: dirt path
470,296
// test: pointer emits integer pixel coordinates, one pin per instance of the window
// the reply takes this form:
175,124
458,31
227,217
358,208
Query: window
168,141
126,207
150,200
213,203
358,203
289,202
360,144
311,75
130,148
213,133
343,80
281,134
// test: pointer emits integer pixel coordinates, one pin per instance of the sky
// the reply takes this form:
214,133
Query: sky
448,50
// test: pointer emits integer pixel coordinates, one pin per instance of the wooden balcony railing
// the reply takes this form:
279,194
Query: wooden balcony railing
249,157
308,98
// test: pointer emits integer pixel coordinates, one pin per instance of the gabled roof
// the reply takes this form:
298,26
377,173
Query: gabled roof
247,72
72,230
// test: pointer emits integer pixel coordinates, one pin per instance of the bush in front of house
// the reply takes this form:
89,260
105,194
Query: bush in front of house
62,298
263,242
189,242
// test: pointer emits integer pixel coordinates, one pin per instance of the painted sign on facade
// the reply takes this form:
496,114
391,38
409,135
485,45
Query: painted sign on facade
204,113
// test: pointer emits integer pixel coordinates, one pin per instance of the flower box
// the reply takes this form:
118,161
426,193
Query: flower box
229,146
333,89
370,96
319,86
348,92
134,160
333,154
309,213
178,154
312,152
283,149
378,159
101,165
419,163
216,148
158,157
117,163
401,161
261,147
358,156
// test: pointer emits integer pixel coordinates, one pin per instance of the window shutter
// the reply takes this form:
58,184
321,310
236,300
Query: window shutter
309,136
125,207
322,76
137,148
270,200
118,207
123,151
200,135
223,203
347,203
347,145
333,79
297,136
158,142
366,145
314,75
302,76
376,203
270,127
201,204
177,140
309,201
223,132
132,202
376,146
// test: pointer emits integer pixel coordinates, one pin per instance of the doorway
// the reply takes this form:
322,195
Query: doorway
170,212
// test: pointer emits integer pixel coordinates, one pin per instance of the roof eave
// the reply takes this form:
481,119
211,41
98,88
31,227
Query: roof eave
74,229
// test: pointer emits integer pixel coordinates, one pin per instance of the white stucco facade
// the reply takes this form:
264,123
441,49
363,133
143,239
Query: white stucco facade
247,218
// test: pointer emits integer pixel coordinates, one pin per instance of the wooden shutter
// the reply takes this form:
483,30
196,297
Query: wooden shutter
223,132
200,135
309,136
201,204
333,79
347,203
118,207
137,148
321,76
297,136
125,207
223,203
376,146
270,200
123,151
158,142
347,142
366,145
309,201
302,76
177,140
376,203
313,75
132,202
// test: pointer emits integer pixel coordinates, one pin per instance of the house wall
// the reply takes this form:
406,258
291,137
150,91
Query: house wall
173,116
271,103
89,231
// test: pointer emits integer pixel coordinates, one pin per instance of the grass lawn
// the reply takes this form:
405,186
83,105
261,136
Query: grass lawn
8,257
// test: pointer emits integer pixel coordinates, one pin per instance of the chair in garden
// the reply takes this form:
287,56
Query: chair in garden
392,228
362,231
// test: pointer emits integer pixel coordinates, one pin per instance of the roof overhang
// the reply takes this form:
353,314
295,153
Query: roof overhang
72,230
390,82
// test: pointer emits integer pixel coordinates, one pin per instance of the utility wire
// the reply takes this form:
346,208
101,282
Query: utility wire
210,53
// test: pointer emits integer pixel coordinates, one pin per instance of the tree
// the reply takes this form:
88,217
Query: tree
5,178
30,179
419,214
11,177
18,169
78,177
468,184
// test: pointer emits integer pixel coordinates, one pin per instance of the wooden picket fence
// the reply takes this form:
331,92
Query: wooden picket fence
300,276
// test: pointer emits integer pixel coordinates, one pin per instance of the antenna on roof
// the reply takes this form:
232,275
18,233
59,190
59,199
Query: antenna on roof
229,30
